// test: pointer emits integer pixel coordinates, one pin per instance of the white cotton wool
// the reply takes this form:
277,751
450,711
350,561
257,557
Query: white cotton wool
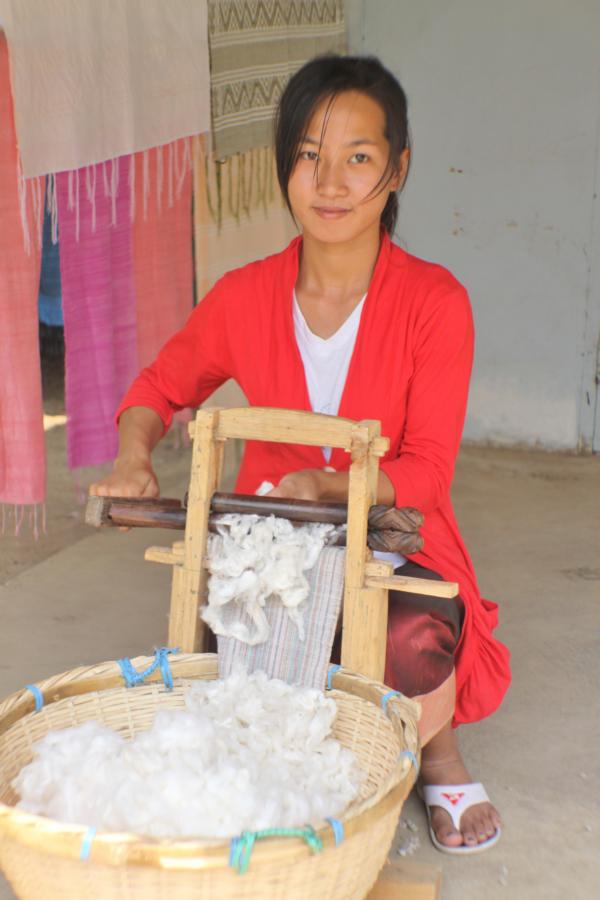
252,558
248,752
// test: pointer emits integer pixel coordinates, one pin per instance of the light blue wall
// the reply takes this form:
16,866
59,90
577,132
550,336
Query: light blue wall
504,102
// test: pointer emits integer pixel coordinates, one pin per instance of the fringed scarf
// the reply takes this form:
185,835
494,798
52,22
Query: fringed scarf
239,214
127,282
98,304
22,456
162,245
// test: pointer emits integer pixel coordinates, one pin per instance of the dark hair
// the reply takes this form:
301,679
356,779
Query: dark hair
326,77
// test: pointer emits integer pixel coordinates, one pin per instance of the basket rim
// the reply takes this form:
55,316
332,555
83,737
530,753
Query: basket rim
119,848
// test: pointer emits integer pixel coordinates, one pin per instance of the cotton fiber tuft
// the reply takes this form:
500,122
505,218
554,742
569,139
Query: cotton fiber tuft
247,753
252,558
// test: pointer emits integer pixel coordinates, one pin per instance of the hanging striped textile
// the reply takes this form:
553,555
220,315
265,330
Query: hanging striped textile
96,267
162,245
22,455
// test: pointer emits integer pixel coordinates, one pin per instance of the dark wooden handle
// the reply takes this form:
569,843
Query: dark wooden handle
142,512
391,530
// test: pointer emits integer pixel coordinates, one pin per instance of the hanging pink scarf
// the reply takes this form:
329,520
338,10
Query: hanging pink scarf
162,245
22,458
98,304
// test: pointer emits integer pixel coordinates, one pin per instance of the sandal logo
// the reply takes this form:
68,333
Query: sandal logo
454,798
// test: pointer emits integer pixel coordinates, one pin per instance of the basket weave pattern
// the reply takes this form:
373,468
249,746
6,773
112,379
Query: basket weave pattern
40,857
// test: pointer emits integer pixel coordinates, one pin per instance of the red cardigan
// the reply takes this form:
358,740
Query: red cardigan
410,369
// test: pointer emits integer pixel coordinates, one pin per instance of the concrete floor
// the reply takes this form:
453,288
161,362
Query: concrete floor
532,523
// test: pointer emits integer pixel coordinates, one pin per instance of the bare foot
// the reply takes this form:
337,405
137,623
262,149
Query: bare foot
441,763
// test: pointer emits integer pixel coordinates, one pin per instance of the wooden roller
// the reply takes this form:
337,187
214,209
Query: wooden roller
142,512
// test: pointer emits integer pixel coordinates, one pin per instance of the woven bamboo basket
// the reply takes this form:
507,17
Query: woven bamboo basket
43,858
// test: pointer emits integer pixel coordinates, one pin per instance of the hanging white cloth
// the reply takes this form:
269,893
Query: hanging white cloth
95,80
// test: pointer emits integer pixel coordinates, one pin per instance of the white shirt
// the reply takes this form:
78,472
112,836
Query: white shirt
326,362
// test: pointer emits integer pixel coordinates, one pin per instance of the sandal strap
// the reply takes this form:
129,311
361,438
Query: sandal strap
455,798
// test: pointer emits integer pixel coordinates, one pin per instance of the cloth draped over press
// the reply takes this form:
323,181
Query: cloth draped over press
284,654
120,203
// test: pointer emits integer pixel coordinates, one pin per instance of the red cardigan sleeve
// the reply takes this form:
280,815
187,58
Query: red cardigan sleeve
192,364
436,400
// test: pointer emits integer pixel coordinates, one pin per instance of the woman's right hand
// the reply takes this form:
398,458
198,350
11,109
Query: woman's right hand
129,478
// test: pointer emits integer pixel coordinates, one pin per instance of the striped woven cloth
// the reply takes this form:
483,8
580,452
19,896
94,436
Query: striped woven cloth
22,456
283,655
255,45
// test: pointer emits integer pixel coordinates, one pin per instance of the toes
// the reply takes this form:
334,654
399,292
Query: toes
479,825
444,830
450,837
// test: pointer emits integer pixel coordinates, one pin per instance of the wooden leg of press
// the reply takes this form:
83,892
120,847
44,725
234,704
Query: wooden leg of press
406,880
365,631
187,631
365,610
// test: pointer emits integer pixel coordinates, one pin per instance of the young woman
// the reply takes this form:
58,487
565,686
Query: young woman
345,322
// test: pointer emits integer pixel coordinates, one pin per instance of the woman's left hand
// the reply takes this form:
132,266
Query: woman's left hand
306,484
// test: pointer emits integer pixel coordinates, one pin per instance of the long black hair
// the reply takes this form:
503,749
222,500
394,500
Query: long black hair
324,77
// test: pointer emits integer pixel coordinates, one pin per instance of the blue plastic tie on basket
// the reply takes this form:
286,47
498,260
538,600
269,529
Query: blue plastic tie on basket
233,845
410,755
37,695
332,670
338,829
387,696
86,843
240,848
161,660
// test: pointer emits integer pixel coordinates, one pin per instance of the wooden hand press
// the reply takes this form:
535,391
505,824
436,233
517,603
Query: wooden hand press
367,581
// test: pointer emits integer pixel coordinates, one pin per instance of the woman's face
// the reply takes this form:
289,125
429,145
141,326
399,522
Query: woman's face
336,200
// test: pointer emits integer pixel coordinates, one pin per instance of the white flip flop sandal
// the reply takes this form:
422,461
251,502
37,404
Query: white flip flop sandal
456,799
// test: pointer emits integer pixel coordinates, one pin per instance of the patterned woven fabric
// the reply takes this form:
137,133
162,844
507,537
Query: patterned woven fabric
255,45
283,655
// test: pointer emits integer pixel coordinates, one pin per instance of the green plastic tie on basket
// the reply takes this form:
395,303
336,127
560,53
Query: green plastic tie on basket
242,846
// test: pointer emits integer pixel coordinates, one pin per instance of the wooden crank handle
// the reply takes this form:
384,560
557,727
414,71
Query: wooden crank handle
139,512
